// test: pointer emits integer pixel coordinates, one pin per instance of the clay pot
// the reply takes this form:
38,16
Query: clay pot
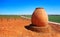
39,17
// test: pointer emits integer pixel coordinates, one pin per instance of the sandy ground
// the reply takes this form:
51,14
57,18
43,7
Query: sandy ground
16,28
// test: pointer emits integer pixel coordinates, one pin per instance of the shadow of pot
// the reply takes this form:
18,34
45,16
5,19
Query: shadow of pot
38,29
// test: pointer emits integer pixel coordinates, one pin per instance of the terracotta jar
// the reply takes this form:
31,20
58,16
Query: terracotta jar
39,17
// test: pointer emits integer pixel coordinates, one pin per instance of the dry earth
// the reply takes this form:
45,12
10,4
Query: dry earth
16,28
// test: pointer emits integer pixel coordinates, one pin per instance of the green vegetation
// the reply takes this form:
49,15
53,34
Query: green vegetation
9,16
54,18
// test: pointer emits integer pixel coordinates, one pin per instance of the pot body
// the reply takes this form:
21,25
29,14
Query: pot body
39,17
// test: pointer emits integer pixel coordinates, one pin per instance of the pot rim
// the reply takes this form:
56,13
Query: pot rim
39,8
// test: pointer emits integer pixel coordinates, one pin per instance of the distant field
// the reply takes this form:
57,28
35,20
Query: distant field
54,18
9,16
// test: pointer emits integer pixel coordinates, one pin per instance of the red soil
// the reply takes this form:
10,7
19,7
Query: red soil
16,28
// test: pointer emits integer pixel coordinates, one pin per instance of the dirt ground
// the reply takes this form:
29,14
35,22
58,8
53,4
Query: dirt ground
16,28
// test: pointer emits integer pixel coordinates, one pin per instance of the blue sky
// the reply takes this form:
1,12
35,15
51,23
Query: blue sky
19,7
